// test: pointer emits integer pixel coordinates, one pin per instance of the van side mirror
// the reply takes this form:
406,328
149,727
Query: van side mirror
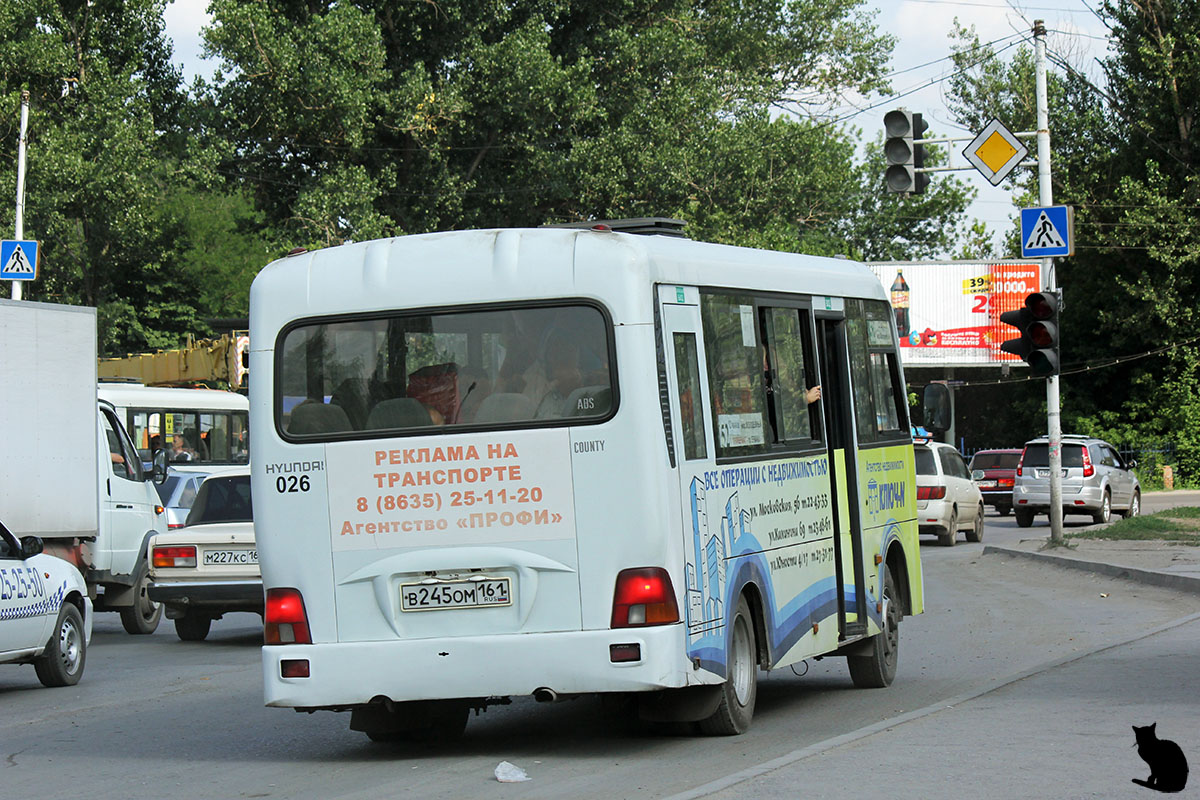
939,408
160,467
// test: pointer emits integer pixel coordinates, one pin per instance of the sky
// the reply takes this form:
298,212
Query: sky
920,64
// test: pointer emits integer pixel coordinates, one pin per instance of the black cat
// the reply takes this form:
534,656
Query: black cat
1168,767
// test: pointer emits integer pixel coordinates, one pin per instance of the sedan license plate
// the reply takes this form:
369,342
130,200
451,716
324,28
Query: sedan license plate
987,484
438,595
230,556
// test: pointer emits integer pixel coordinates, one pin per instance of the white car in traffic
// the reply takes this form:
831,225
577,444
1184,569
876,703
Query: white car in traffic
947,498
209,567
45,613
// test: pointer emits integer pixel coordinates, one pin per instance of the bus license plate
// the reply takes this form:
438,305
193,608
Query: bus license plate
455,594
230,556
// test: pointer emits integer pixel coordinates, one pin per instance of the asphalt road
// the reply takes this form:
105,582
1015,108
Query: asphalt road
156,717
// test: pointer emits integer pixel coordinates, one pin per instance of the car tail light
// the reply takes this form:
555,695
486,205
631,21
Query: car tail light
175,556
931,492
1088,469
1004,482
1020,463
285,621
644,596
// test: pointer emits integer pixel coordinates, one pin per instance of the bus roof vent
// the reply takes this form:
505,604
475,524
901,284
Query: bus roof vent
661,226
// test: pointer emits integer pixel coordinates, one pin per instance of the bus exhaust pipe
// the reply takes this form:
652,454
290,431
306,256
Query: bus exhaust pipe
545,695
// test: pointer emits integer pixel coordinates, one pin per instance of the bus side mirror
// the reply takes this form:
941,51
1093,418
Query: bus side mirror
160,467
939,409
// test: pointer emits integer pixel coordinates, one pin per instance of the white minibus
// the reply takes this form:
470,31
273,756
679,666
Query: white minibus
550,462
201,430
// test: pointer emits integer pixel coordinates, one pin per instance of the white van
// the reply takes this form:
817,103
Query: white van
201,429
552,462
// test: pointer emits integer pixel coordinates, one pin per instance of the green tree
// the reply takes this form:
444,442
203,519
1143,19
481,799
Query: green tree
1123,156
355,120
103,143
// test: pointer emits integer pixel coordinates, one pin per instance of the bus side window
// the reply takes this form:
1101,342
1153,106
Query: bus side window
789,375
735,374
687,382
879,409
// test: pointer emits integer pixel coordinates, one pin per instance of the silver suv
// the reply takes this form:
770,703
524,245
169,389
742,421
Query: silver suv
1095,480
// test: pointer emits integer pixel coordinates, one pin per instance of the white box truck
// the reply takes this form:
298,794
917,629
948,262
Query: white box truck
68,471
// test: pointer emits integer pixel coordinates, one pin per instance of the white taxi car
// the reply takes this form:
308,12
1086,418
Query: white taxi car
947,499
209,567
45,613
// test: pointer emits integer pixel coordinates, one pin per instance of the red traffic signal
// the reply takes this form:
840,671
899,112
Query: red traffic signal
1038,344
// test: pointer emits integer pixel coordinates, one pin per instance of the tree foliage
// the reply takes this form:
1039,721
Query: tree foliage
477,113
337,121
1124,156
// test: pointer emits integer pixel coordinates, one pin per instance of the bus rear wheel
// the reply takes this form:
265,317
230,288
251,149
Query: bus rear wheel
877,669
740,689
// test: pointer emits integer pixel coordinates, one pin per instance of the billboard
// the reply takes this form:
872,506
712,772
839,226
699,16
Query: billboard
948,312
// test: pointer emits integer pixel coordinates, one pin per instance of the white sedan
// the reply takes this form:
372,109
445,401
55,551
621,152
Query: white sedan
45,613
209,567
947,499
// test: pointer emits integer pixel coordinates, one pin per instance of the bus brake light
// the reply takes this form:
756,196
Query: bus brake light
644,596
285,620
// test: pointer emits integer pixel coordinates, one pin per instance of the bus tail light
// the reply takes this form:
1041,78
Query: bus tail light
644,596
1088,469
175,556
285,620
931,492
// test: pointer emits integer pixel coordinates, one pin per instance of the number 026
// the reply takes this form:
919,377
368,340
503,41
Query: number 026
291,483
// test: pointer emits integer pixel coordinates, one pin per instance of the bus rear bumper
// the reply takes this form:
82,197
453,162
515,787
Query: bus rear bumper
347,674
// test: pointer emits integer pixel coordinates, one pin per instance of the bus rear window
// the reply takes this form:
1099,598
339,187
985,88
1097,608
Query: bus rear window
412,373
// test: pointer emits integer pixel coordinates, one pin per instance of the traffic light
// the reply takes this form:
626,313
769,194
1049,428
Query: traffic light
904,153
1038,323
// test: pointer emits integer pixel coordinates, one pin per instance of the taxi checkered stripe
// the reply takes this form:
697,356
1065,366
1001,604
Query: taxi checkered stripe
47,605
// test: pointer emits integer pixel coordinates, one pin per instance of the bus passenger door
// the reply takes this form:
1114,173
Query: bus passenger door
692,451
837,399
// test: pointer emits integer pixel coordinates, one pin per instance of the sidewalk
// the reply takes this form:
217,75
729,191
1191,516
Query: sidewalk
1042,733
1172,566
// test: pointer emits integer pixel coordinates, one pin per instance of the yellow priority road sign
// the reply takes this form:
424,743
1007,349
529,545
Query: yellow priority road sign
995,152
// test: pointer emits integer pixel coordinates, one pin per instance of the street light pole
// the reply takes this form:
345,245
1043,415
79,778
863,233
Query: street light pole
1046,199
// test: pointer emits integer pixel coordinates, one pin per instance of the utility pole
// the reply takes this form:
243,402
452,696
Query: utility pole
20,224
1046,199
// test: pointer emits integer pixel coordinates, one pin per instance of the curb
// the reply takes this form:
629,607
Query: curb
1167,580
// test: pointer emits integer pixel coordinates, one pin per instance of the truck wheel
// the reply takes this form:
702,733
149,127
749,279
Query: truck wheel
1024,518
878,669
193,627
740,689
61,663
142,617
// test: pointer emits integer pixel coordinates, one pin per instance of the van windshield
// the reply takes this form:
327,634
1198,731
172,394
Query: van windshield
401,373
1038,455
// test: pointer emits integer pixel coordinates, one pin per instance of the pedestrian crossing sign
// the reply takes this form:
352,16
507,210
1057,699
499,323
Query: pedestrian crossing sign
1047,232
18,260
